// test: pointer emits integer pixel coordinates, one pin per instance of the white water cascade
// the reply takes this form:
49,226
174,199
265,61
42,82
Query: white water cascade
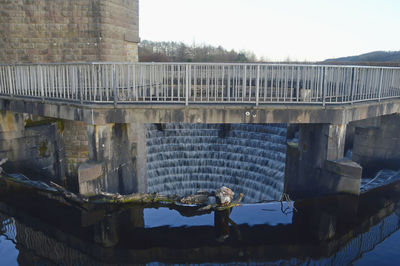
185,158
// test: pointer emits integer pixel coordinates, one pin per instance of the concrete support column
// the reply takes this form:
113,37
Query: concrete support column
137,138
318,143
74,139
315,165
117,159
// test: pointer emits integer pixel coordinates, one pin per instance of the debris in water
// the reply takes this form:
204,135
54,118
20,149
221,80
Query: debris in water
224,196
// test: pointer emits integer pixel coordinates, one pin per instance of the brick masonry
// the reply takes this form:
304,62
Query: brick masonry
41,31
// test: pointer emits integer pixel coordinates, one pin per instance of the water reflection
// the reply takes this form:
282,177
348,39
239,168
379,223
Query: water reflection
332,230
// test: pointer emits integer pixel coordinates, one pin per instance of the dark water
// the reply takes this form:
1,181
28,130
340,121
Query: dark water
338,230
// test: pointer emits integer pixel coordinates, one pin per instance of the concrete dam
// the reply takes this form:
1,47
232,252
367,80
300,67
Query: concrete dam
180,128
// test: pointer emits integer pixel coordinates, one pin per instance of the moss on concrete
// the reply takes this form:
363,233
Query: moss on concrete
60,125
43,149
46,121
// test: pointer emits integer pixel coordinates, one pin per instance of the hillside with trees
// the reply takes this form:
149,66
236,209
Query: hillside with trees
373,58
150,51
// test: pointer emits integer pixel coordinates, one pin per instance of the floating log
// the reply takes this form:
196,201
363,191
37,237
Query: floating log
201,197
56,192
218,207
104,197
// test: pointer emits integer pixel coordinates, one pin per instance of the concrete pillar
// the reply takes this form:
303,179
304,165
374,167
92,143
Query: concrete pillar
74,139
378,146
137,138
306,172
117,159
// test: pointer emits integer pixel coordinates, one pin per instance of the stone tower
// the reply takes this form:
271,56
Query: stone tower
44,31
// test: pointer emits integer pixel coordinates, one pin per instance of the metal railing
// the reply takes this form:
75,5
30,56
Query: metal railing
199,83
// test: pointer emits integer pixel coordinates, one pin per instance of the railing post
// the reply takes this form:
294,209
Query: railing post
114,86
324,86
380,85
10,81
40,79
258,85
79,86
352,84
298,84
187,85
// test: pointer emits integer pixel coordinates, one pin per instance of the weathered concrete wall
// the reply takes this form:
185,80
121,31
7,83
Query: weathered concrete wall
85,158
137,140
68,30
117,160
33,149
314,165
351,128
342,176
378,147
11,130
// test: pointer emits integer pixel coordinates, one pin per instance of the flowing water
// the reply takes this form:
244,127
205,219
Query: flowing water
381,178
248,158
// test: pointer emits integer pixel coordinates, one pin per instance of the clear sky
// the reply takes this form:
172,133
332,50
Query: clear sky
276,29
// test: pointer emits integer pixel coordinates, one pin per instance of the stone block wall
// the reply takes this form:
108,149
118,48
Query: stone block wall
119,30
42,31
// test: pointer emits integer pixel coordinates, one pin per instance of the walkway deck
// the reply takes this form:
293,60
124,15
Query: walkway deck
200,93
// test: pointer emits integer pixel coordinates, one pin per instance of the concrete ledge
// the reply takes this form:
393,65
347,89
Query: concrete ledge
89,171
98,114
341,176
344,167
90,178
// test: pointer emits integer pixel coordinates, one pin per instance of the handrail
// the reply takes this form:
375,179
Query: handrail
188,83
198,63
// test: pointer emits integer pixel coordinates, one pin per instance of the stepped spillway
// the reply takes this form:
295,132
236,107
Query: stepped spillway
185,158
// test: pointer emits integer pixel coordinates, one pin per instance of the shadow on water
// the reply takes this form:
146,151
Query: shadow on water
330,230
